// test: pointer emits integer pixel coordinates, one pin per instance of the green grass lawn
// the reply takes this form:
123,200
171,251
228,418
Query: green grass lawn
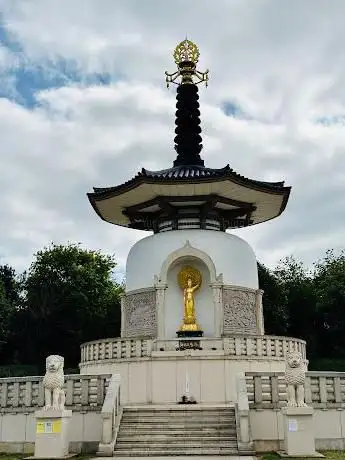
331,455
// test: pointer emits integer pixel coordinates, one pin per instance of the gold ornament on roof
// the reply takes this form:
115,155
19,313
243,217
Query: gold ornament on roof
186,56
186,51
189,279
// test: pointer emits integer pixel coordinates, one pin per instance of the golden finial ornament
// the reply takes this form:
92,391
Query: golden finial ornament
186,56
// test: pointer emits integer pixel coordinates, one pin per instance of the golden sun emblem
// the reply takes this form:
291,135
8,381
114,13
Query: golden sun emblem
186,273
186,51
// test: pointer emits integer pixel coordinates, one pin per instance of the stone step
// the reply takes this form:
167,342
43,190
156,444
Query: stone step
179,423
171,425
183,415
179,409
176,443
187,419
177,435
126,437
181,426
179,415
178,420
178,431
174,448
134,452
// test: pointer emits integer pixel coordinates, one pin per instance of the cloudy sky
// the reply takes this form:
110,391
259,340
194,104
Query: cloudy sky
83,103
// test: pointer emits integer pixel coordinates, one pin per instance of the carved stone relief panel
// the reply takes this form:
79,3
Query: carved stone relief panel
140,314
239,311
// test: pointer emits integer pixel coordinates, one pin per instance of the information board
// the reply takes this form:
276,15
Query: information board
48,427
292,425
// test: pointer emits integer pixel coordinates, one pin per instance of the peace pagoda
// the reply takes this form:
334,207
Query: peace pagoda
192,315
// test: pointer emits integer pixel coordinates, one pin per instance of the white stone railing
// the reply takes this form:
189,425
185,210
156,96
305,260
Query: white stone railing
242,415
26,394
271,347
111,417
115,349
267,390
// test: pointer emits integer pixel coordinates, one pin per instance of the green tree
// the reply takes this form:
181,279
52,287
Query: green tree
6,312
297,287
70,297
12,284
10,301
329,283
275,310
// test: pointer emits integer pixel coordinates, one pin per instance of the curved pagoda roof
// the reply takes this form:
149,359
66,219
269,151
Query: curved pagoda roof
223,194
150,192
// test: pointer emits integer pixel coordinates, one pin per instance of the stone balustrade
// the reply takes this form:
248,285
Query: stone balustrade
115,349
242,347
26,394
323,390
111,417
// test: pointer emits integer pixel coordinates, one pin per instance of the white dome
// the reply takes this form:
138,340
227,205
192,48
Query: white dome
232,256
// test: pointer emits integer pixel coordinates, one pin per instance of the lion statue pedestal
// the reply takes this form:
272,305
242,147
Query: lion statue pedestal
295,371
53,420
299,439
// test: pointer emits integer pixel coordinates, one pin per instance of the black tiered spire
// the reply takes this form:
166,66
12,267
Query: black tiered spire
188,139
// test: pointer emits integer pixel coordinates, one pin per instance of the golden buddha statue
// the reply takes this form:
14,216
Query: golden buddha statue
189,280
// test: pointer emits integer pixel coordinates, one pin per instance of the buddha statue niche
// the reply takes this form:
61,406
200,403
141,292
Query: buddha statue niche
189,280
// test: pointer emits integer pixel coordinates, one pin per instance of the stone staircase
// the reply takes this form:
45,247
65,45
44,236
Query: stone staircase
160,431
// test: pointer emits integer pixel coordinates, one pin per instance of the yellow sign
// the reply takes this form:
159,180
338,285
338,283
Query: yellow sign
48,427
40,427
57,426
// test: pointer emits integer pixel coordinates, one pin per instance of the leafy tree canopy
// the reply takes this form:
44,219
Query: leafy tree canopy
70,297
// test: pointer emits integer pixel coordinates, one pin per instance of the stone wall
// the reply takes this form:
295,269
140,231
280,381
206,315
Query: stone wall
139,313
267,429
160,365
18,432
20,397
324,391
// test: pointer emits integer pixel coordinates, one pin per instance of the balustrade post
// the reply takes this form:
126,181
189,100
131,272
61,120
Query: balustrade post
243,426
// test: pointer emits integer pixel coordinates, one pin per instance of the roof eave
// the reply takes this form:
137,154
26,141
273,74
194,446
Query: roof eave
100,194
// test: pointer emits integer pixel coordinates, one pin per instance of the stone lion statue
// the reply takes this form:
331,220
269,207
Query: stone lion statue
296,368
53,383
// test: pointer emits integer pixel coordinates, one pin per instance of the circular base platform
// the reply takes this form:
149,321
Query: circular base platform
160,365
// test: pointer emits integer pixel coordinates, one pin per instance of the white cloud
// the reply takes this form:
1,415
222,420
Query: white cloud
283,63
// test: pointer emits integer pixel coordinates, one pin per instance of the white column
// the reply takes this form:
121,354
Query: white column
123,314
259,312
160,309
217,291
